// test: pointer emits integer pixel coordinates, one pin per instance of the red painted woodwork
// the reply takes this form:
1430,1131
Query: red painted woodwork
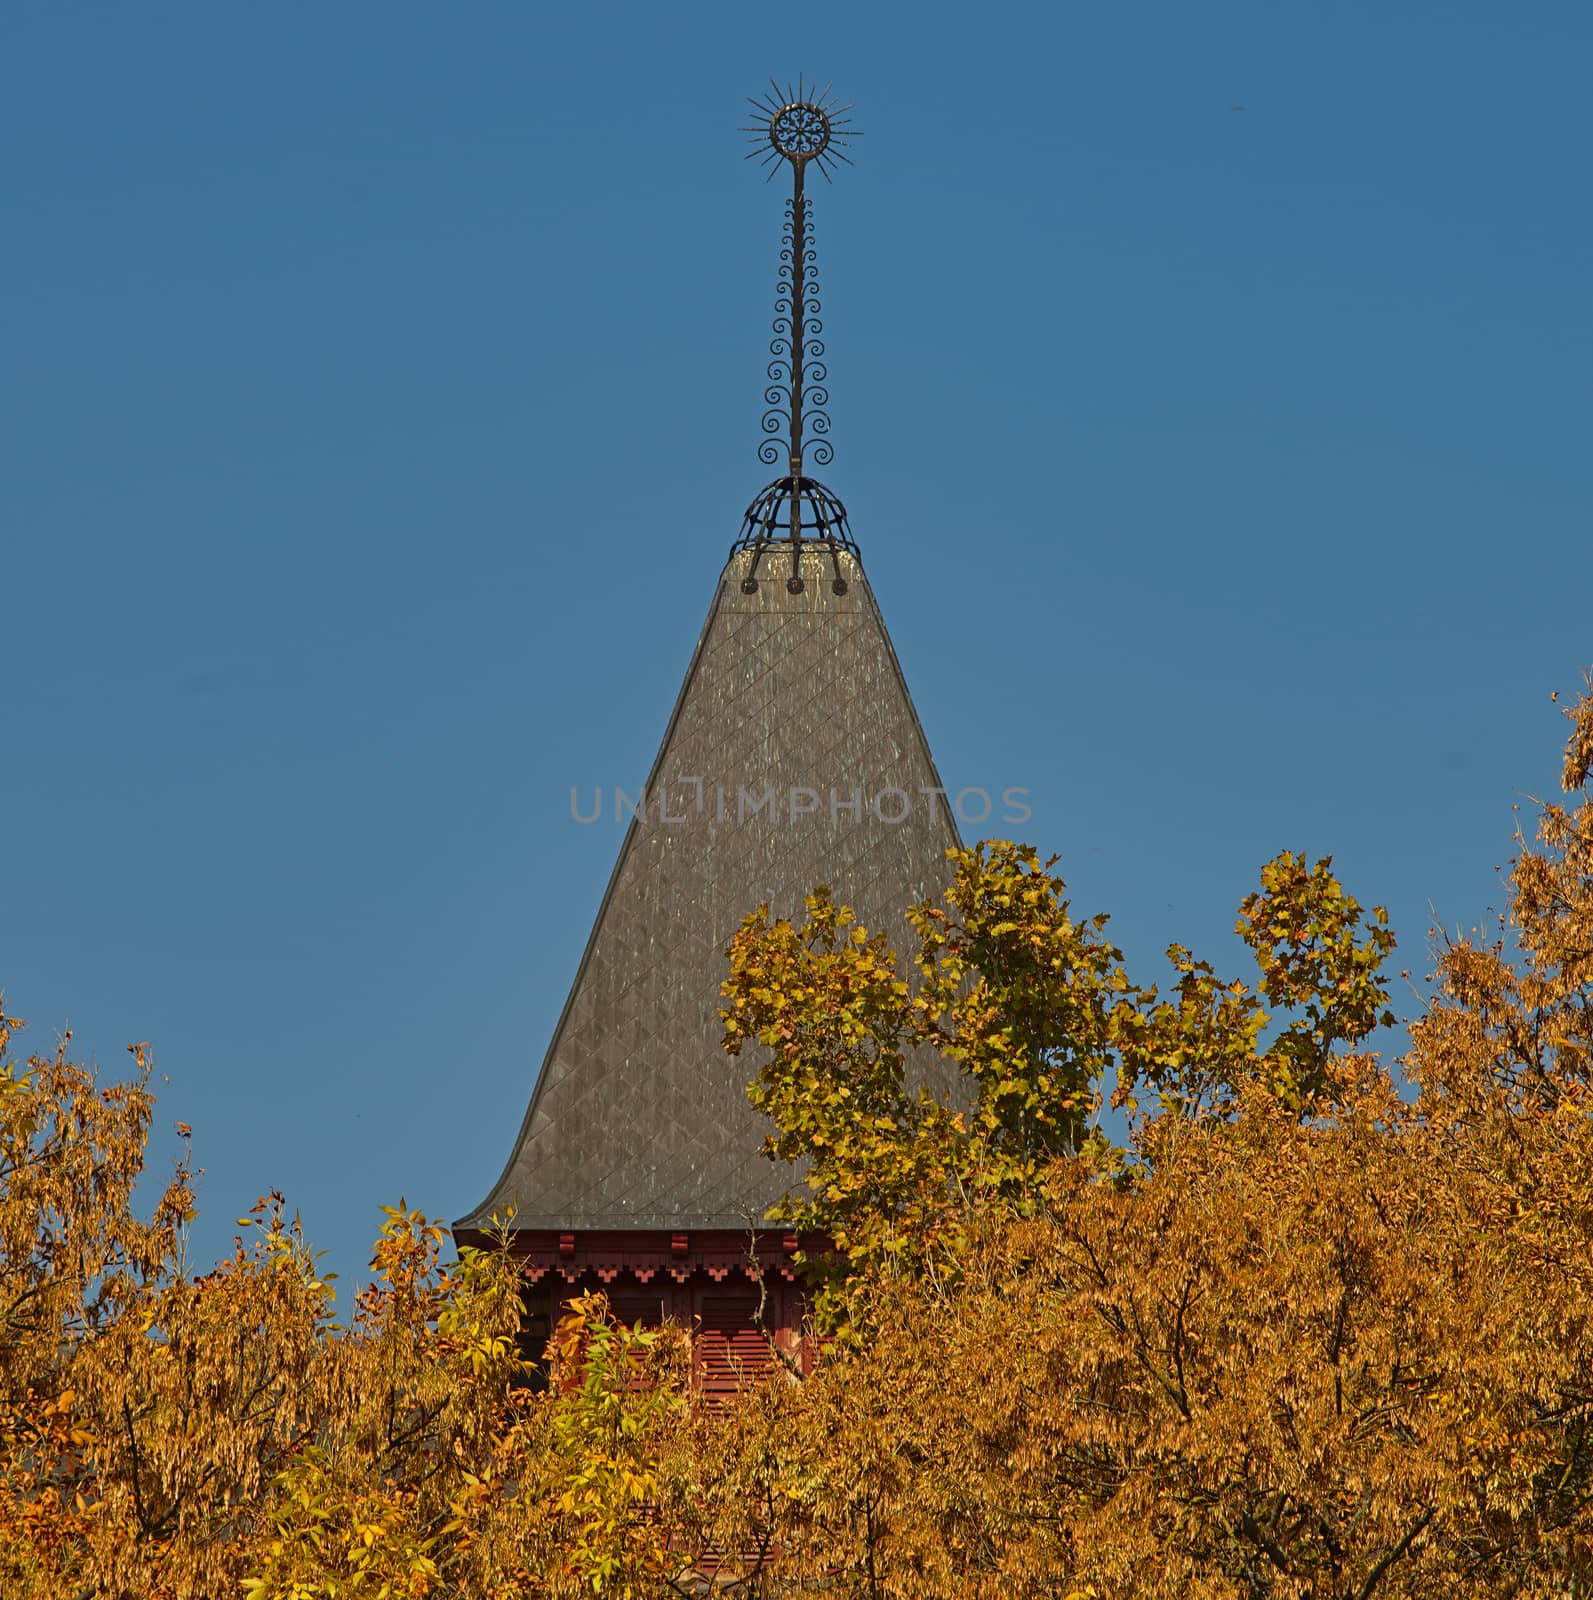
730,1347
711,1281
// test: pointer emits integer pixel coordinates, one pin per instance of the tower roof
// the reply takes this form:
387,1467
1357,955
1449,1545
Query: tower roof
794,757
639,1118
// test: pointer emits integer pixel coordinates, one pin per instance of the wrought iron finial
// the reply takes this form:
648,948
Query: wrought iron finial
801,127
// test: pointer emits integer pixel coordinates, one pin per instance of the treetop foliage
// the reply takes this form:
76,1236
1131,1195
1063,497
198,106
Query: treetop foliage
1031,1008
1317,1328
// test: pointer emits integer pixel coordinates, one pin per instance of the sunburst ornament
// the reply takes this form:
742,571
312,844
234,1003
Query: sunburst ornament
800,125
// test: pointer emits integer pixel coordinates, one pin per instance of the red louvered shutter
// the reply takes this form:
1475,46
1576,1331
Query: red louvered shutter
731,1350
638,1306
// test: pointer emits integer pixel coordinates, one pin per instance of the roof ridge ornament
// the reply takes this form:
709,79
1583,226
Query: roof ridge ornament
801,127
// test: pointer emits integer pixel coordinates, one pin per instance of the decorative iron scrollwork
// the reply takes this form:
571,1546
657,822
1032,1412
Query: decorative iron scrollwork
796,397
801,128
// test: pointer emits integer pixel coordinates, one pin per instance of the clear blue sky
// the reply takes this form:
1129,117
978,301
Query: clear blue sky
380,391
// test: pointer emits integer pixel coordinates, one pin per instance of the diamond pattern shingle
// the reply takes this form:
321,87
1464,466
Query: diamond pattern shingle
638,1118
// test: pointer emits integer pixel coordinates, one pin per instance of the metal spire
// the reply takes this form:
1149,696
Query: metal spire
802,128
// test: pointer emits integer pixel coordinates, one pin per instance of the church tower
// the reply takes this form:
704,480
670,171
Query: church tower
793,757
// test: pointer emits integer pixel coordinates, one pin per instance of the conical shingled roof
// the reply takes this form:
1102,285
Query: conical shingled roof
639,1119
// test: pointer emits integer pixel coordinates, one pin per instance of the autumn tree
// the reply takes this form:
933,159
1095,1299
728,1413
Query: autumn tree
1320,1328
1316,1328
1032,1009
182,1437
